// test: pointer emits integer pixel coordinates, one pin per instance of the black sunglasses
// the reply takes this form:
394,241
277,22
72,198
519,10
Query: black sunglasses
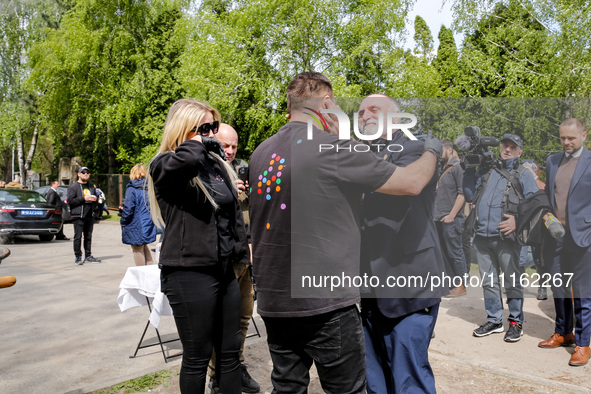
205,128
85,172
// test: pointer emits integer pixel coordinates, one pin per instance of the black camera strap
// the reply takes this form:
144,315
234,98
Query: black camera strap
513,179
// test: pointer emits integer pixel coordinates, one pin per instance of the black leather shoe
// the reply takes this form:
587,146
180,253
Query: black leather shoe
248,383
64,238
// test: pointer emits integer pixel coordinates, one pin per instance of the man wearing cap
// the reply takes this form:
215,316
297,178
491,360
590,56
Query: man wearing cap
496,189
81,199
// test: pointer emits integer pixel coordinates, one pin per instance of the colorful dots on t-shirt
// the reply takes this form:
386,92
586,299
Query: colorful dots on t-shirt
298,141
268,226
264,186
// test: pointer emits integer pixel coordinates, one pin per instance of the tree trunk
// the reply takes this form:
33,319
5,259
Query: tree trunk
112,191
20,155
32,148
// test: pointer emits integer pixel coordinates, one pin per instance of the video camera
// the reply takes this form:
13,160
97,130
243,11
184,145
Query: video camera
478,148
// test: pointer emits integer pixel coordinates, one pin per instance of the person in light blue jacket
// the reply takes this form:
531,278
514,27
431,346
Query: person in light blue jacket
496,190
137,227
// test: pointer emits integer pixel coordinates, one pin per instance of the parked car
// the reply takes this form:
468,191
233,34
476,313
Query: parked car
26,212
62,191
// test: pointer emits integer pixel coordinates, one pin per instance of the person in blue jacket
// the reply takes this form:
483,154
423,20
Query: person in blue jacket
496,189
137,227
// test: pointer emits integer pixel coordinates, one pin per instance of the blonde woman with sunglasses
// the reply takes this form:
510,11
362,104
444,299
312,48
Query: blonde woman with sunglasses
193,196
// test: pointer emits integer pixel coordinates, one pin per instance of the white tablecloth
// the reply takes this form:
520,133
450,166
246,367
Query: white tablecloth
141,282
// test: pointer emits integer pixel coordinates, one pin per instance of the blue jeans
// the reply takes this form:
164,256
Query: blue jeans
398,350
332,341
494,256
450,238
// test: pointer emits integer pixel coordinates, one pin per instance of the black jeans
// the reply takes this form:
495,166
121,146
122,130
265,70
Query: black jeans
206,305
334,341
83,226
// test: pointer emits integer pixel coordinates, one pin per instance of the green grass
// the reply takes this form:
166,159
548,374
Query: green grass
113,217
141,384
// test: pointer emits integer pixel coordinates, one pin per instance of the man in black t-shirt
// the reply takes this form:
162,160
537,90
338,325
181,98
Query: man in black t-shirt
305,187
81,199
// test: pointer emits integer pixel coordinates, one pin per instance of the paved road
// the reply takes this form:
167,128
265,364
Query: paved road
62,330
61,327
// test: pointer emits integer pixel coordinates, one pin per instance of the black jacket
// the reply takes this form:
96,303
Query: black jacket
531,223
54,199
191,237
78,206
399,239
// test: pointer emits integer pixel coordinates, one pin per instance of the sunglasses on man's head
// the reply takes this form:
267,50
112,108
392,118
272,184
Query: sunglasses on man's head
205,128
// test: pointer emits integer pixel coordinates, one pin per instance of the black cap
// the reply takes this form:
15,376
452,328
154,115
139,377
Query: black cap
514,138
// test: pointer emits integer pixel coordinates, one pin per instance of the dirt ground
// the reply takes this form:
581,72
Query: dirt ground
463,363
450,377
478,374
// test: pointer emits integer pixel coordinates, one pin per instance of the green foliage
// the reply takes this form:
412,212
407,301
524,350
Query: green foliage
423,38
506,54
526,48
260,46
21,25
141,384
97,77
108,76
447,64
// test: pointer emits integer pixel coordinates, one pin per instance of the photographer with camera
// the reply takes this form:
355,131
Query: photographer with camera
228,137
496,188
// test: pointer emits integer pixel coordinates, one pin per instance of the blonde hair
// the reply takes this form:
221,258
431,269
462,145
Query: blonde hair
138,171
183,115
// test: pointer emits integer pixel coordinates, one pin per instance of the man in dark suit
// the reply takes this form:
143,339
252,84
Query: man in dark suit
568,188
399,239
54,199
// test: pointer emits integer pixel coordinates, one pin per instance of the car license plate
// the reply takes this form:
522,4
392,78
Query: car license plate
31,212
